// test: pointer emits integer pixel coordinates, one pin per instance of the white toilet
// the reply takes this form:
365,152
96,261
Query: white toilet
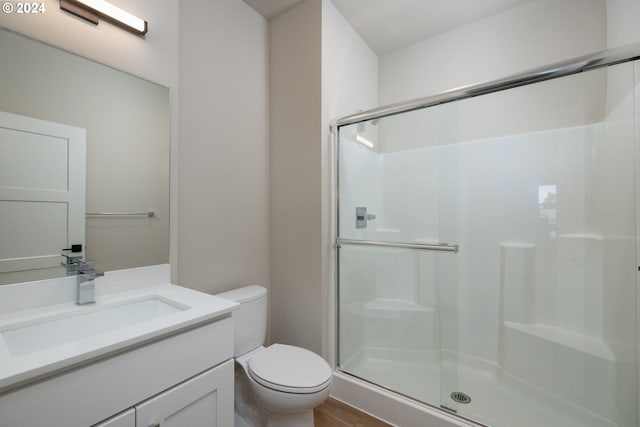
284,381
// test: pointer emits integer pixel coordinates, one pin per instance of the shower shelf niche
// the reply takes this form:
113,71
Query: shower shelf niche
387,308
578,342
562,359
384,323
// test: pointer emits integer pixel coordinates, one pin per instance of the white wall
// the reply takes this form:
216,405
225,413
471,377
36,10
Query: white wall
223,174
534,34
622,22
349,68
623,28
637,118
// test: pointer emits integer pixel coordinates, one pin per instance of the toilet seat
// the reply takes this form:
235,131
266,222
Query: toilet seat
289,369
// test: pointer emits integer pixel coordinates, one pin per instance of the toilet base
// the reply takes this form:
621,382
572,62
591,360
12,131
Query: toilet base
238,421
301,419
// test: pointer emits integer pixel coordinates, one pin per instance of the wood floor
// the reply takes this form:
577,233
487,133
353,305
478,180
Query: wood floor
333,413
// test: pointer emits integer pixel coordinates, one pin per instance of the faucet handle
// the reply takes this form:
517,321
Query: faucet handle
86,265
71,259
72,254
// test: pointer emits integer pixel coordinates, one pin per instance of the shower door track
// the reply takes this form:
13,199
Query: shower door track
439,247
601,59
468,421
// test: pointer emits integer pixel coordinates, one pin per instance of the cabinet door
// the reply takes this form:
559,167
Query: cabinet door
203,401
123,419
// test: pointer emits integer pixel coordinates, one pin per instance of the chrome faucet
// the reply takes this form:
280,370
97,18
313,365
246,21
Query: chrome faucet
85,269
85,288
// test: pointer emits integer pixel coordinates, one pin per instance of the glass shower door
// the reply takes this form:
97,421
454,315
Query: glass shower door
487,259
397,256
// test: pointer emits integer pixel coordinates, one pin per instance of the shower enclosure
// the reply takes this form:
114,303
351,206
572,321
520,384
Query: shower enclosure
486,260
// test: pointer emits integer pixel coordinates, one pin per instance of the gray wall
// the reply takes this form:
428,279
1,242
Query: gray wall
223,173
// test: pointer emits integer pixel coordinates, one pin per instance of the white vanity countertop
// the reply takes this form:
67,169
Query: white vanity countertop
73,334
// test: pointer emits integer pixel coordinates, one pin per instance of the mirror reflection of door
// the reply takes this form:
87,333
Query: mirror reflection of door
42,194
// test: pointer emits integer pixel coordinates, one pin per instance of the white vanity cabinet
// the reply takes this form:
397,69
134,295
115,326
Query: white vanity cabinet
125,419
183,379
201,401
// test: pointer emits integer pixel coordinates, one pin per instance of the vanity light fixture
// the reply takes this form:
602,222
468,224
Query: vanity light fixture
92,10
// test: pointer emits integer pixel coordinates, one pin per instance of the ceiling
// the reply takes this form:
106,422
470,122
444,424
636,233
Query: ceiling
386,25
271,8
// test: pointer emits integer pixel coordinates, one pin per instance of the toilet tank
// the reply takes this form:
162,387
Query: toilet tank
250,318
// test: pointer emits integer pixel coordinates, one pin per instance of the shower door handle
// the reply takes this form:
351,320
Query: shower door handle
362,217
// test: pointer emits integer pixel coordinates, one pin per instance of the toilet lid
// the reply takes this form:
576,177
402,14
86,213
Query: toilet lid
290,369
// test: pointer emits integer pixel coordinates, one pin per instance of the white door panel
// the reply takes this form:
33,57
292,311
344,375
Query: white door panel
42,191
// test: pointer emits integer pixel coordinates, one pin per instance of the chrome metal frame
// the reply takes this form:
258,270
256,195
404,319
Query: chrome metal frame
568,67
438,247
149,214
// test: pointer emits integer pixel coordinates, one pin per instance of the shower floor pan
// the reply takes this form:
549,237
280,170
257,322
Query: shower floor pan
497,399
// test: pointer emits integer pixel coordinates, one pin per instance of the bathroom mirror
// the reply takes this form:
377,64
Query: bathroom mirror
127,125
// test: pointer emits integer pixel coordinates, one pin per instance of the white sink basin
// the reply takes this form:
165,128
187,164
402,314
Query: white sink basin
23,338
42,330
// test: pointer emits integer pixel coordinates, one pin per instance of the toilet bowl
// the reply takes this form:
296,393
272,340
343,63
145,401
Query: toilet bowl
285,382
